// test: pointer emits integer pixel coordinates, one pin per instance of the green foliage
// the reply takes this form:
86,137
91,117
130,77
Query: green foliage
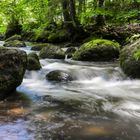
34,15
136,55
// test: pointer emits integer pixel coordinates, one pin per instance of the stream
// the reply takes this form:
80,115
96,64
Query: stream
101,104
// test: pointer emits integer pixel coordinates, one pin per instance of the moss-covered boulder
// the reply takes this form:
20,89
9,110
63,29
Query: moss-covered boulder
130,59
98,50
14,37
15,43
38,47
33,62
12,68
59,76
52,52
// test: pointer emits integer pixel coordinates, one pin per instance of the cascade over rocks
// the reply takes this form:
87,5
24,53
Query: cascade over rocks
12,68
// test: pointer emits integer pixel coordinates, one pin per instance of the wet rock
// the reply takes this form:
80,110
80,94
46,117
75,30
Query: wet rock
38,47
59,76
52,52
15,43
14,37
130,59
70,51
98,50
33,62
12,68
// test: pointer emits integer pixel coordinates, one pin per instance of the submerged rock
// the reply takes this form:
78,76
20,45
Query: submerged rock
130,59
33,62
12,68
98,50
52,52
15,43
59,76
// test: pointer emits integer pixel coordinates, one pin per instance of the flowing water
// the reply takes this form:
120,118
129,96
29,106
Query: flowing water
101,104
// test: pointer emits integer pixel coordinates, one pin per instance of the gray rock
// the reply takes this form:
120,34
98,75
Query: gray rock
12,68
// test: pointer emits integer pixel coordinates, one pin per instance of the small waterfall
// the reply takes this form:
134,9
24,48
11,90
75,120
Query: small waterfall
66,57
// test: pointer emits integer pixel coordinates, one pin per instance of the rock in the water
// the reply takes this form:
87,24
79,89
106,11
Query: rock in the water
15,43
33,62
38,47
59,76
98,50
12,68
130,59
70,51
14,37
52,52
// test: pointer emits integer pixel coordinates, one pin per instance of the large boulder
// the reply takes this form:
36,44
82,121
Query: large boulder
15,43
12,68
52,52
98,50
130,59
33,62
59,76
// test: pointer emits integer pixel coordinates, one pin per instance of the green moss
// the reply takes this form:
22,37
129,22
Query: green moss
100,43
136,55
130,59
97,50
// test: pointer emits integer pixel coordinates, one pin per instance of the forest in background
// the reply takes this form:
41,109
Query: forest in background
67,20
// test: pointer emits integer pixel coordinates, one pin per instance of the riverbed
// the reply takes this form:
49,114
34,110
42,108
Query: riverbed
100,104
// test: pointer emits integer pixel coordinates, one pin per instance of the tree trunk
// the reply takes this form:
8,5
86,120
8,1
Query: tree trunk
100,20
